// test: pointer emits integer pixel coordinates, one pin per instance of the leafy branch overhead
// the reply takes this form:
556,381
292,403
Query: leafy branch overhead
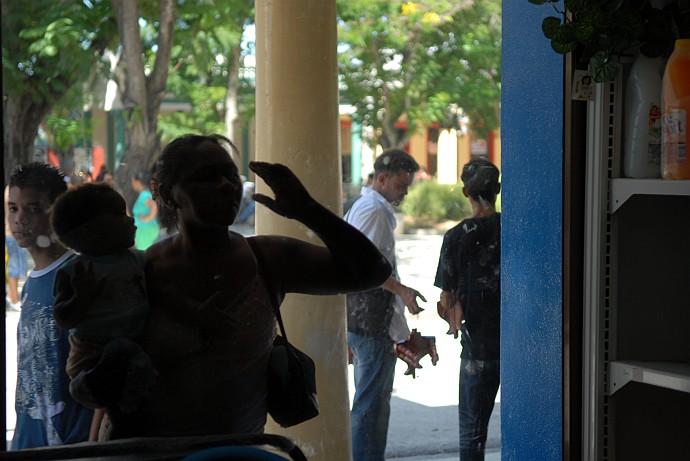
600,31
417,63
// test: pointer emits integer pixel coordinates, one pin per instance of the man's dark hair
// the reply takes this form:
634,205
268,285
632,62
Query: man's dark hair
39,176
394,161
480,178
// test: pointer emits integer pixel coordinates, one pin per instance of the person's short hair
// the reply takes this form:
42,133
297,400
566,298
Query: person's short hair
480,178
101,174
75,180
77,206
394,161
169,168
144,177
39,176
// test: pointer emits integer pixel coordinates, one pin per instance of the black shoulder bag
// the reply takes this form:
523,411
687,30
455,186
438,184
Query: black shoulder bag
291,382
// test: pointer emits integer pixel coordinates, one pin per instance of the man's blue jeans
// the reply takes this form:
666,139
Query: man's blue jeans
479,380
374,364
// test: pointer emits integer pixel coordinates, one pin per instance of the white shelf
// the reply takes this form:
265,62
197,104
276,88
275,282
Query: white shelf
670,375
623,188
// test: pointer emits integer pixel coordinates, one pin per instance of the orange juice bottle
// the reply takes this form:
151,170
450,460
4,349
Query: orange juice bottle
675,163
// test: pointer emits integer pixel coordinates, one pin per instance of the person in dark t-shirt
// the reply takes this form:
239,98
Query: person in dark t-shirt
469,275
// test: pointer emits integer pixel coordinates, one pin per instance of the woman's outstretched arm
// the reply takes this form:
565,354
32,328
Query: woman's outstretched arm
349,262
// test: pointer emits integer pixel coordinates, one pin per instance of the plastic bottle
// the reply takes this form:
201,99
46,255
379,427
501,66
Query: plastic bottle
675,163
642,141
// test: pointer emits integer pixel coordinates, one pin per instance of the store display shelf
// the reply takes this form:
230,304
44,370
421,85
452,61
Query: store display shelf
670,375
624,188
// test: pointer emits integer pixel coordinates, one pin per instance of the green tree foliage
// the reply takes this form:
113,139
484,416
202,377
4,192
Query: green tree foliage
146,30
431,202
48,47
206,60
425,62
600,31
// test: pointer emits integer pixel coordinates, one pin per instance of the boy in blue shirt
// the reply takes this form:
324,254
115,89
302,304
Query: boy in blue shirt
46,413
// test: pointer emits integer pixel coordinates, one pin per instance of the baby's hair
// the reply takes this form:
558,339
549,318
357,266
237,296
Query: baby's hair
394,161
76,206
167,170
43,177
480,178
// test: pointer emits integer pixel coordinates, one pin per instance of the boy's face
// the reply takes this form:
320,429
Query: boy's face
29,217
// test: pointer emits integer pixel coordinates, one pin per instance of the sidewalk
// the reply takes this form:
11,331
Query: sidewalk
418,432
424,411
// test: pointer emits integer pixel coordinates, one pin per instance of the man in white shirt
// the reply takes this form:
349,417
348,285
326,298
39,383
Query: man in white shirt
376,318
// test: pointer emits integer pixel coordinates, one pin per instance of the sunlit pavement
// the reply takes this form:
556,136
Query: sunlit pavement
424,411
424,421
11,319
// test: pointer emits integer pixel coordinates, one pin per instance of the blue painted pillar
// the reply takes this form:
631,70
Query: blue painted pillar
532,167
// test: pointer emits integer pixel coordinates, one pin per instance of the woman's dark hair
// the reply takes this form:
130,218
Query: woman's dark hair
480,178
169,168
79,205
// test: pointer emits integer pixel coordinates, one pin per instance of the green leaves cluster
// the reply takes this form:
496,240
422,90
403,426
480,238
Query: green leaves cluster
600,31
417,62
48,49
206,52
47,46
432,202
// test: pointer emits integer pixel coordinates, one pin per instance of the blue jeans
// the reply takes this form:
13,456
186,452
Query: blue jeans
479,380
374,364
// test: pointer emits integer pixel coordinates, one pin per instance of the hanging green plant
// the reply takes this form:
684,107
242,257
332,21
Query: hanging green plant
600,31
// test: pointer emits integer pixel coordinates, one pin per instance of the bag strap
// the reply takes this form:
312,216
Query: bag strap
276,311
274,302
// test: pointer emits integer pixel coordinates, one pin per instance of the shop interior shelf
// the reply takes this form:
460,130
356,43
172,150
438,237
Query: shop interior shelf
624,188
670,375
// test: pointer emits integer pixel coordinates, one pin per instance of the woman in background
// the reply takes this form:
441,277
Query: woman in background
144,212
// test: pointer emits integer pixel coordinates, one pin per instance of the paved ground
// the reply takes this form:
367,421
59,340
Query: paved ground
424,423
424,420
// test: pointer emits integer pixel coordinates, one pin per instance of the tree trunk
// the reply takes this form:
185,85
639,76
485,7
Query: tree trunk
22,116
142,95
231,111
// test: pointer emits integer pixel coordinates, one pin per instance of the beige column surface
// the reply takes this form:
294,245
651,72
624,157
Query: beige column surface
297,125
464,151
447,157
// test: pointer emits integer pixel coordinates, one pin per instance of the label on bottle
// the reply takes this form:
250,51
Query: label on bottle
654,138
675,149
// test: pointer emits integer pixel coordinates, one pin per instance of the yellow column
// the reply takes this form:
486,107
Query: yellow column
297,125
464,151
447,157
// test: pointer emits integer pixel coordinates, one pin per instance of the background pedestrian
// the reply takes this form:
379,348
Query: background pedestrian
144,212
376,318
469,275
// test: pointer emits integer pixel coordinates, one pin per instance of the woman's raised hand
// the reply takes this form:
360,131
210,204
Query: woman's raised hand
291,197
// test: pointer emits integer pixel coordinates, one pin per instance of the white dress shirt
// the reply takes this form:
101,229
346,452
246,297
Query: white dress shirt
375,218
